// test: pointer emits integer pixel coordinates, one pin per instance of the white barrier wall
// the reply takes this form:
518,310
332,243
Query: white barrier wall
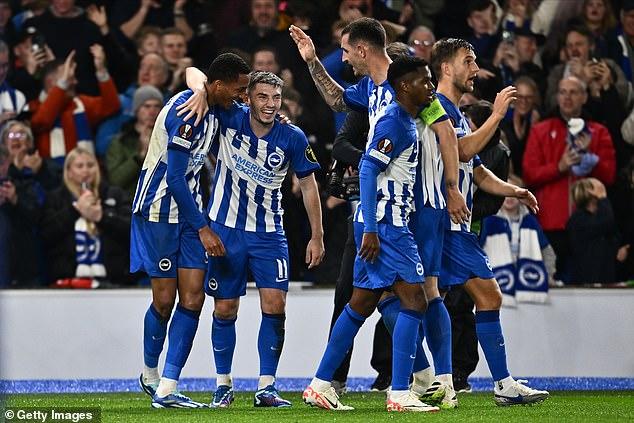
74,334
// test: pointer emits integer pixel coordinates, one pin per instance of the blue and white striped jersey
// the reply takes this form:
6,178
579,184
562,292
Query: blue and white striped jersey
153,198
366,96
465,170
394,149
249,173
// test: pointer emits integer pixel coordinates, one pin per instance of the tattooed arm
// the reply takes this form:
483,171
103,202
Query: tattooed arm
331,92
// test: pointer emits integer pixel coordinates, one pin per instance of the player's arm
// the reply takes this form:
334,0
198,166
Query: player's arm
370,246
196,105
434,115
488,182
310,193
331,92
473,143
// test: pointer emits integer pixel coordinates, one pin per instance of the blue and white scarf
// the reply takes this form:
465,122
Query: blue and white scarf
527,279
89,253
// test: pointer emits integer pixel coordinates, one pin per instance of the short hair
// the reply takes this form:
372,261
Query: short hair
527,80
580,29
479,6
290,93
25,126
172,31
401,67
579,191
165,67
227,67
397,49
51,68
582,84
264,77
368,30
445,50
422,28
263,48
479,112
145,31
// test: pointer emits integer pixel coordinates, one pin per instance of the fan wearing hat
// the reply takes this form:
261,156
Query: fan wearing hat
31,55
621,47
128,148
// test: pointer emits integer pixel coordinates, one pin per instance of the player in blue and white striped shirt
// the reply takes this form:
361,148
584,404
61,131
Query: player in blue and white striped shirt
254,154
169,236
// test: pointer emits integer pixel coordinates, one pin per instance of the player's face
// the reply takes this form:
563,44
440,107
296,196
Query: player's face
82,169
352,56
464,70
265,101
421,87
227,92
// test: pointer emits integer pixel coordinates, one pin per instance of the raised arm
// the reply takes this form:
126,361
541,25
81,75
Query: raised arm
310,193
331,92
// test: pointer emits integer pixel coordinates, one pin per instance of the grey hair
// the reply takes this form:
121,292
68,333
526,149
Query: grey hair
7,126
264,77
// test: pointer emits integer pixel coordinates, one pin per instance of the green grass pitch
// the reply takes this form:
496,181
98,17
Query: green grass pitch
562,406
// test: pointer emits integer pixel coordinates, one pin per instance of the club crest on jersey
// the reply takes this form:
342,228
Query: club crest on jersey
185,131
385,146
310,154
419,269
274,160
165,264
212,284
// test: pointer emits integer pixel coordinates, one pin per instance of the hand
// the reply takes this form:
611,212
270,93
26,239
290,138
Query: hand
99,58
598,189
33,161
315,252
144,137
146,4
68,70
98,16
179,5
370,247
304,44
622,253
4,116
285,120
568,159
89,206
8,193
511,57
604,74
34,61
195,105
527,198
212,243
503,100
582,141
456,206
577,69
485,74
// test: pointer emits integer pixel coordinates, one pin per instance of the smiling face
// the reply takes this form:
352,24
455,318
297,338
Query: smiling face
463,70
224,93
265,101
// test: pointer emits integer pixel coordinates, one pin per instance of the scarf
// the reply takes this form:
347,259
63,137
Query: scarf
525,280
88,251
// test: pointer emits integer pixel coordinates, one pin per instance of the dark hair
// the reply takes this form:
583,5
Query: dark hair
366,29
445,50
265,48
401,67
51,67
580,29
264,77
478,6
227,67
397,49
479,112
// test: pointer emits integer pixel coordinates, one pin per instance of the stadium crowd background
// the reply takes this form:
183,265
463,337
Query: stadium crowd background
96,73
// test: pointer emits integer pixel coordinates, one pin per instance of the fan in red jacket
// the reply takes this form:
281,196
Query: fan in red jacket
555,158
63,120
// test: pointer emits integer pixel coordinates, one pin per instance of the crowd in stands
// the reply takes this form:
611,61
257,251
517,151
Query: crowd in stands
82,82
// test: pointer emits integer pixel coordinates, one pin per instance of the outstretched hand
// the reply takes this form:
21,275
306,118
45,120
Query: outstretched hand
304,43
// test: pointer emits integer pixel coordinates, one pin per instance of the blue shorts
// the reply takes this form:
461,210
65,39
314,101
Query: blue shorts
265,254
160,248
428,226
462,259
397,260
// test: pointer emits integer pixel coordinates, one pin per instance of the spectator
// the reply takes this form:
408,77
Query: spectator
12,101
7,30
29,9
31,54
593,234
621,47
420,40
623,203
128,149
86,224
66,28
599,75
21,199
174,50
598,16
551,152
517,14
524,114
148,40
131,15
483,23
62,119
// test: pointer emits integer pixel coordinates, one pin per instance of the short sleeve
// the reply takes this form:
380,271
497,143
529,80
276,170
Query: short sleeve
303,157
356,96
389,140
181,133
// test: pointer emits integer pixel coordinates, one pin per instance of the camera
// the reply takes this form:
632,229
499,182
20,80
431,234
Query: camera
341,185
38,42
508,37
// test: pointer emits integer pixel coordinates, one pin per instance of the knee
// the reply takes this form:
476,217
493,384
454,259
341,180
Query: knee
491,301
163,305
192,300
226,310
417,302
275,306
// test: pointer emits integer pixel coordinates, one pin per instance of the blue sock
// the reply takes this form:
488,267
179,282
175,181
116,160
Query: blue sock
181,337
270,342
438,329
154,330
223,341
404,348
489,332
341,337
389,309
421,361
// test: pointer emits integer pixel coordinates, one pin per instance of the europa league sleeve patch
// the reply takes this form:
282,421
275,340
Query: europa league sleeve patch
310,155
185,131
385,146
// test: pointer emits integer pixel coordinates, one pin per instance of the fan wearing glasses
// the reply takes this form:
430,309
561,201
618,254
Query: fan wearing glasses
421,39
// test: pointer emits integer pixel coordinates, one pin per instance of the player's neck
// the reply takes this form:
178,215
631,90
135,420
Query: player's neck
260,129
378,72
446,88
408,106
